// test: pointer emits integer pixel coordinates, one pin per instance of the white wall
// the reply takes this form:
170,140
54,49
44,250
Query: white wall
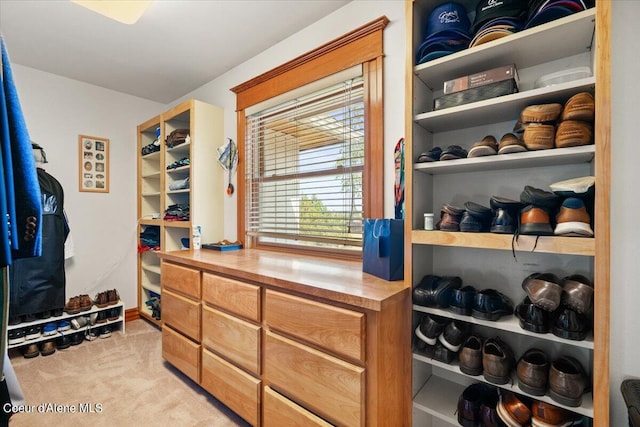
344,20
103,226
625,204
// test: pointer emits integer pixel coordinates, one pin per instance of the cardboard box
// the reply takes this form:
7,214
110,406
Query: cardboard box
479,93
506,72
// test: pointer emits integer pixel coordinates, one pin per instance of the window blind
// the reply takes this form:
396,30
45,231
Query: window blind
304,165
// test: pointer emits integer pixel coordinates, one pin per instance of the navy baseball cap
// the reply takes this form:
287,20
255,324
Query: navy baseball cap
487,10
448,19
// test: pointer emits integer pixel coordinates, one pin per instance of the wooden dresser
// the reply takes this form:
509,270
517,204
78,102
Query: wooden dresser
288,340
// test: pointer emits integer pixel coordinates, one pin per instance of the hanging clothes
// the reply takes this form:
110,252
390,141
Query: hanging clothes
20,207
38,284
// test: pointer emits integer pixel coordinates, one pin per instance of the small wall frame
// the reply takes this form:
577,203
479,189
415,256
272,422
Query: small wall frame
93,164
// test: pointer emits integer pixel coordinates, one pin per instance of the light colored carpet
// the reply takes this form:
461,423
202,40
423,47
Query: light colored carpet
126,375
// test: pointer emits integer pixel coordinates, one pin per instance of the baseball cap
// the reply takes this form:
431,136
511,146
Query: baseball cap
448,19
487,10
550,10
446,30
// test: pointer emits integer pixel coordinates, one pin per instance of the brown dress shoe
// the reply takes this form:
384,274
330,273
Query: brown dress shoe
533,372
567,381
535,221
512,410
544,290
101,300
577,293
497,361
580,106
574,133
538,136
470,355
546,414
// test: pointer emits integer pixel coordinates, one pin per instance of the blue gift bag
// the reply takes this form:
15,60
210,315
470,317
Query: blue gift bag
383,248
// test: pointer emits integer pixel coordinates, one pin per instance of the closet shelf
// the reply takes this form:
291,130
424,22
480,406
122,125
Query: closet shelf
509,324
180,169
151,175
546,244
569,36
587,399
529,159
500,109
439,398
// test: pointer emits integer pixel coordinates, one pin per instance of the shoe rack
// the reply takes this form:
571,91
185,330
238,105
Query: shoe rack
204,195
486,260
117,324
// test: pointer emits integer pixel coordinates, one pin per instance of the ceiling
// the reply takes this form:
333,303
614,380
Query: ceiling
176,47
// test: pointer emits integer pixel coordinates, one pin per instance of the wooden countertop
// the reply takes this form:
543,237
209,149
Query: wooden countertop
332,279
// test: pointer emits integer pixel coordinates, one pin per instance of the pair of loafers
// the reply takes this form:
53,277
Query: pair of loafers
565,322
492,357
475,218
547,291
447,292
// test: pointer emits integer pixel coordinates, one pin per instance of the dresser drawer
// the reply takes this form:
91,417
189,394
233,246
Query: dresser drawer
233,338
336,329
182,314
326,385
181,352
231,295
280,411
182,279
231,386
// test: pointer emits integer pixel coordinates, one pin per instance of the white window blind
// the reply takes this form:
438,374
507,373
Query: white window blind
304,164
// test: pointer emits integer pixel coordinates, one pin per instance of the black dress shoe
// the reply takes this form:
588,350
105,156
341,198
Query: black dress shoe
532,318
490,304
505,218
462,300
469,404
570,324
435,291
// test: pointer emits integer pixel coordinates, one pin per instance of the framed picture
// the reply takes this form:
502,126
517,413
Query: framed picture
93,164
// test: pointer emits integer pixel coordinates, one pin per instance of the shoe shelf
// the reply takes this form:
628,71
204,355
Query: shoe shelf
571,35
586,408
545,244
152,287
181,169
548,48
529,159
151,175
439,397
182,191
178,224
499,109
65,316
151,268
508,324
150,221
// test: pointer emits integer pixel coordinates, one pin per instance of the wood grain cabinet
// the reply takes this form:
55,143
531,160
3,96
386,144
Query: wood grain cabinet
181,312
283,353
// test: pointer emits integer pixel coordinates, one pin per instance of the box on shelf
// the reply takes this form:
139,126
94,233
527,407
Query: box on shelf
475,94
498,74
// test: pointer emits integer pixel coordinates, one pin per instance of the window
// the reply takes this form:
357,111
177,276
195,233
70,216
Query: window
310,142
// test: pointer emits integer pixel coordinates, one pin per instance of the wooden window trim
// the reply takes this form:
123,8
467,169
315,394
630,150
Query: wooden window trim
362,46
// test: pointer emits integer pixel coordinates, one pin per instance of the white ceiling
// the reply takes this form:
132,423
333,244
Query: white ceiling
176,47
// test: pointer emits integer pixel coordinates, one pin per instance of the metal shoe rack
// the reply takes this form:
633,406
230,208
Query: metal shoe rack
485,260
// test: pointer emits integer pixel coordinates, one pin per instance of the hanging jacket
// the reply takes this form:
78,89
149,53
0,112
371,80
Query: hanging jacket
20,209
38,284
